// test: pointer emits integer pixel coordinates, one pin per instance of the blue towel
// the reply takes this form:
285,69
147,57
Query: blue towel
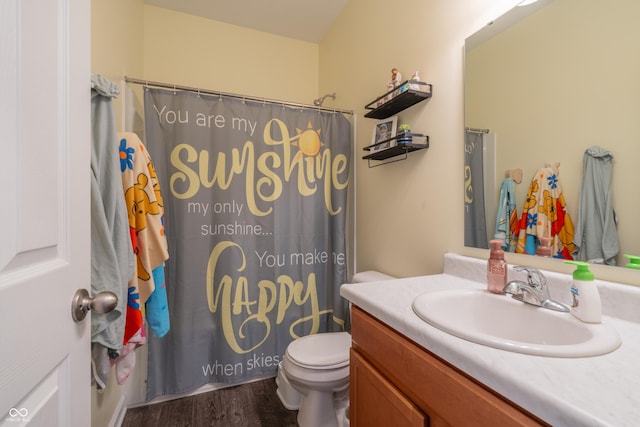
157,308
507,217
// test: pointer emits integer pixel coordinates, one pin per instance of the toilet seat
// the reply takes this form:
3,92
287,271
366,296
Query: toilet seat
313,376
321,351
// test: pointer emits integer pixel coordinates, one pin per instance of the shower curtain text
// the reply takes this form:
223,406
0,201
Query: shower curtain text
255,201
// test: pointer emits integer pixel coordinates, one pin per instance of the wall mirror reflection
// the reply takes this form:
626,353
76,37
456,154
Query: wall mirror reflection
544,84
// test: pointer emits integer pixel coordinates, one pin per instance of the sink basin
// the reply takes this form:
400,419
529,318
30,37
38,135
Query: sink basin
500,321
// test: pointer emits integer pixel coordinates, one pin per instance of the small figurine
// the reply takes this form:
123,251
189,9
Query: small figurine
396,79
415,77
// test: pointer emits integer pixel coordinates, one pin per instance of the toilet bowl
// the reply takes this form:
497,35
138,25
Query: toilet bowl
314,374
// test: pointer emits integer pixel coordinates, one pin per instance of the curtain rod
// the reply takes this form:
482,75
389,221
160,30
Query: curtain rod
476,130
233,95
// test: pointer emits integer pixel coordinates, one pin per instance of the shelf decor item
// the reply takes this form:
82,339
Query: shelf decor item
383,131
396,78
404,134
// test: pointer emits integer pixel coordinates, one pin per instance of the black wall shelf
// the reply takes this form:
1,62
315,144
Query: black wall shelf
419,142
405,99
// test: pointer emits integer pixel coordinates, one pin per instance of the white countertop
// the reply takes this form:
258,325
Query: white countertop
591,391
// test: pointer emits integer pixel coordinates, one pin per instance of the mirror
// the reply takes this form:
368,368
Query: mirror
543,83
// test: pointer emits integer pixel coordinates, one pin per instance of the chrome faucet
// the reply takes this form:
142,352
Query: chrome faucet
535,291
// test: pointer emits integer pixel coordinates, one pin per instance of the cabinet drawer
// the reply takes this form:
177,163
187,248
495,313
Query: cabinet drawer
445,394
375,402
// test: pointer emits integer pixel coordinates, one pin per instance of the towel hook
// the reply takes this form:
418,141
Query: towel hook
515,174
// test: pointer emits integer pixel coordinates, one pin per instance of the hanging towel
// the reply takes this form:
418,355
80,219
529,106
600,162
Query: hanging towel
596,237
126,362
507,226
146,224
112,259
544,215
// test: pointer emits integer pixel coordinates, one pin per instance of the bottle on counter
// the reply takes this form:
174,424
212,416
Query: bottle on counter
544,248
496,268
586,304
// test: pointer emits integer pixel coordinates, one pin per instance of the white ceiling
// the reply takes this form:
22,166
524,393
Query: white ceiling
307,20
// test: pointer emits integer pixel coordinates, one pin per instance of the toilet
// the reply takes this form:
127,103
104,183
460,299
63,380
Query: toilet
313,377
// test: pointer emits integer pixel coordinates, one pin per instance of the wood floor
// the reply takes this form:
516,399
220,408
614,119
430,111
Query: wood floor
253,404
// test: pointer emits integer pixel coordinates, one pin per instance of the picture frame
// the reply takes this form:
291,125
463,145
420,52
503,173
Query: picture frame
384,129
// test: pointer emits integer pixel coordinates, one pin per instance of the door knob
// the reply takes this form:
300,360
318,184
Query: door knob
102,303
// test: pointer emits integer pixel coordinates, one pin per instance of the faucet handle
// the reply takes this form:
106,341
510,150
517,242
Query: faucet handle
534,276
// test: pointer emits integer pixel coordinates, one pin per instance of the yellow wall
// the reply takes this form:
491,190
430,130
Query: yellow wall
410,212
116,42
191,51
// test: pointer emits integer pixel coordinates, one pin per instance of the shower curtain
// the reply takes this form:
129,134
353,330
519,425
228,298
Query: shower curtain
255,198
475,224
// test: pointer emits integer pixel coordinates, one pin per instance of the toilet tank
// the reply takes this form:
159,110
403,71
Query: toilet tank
370,276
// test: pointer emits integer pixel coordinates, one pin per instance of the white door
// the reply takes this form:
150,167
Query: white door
44,211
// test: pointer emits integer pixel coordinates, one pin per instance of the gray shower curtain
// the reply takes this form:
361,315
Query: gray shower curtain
255,199
475,224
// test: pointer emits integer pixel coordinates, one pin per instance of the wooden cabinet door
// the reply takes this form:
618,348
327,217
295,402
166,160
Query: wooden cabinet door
448,396
374,401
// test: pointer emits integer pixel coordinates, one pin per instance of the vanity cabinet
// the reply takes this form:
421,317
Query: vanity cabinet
396,382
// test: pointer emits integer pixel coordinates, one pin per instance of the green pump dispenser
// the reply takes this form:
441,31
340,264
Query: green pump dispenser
586,304
582,271
634,261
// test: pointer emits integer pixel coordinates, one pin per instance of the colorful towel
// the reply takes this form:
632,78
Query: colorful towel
146,224
544,215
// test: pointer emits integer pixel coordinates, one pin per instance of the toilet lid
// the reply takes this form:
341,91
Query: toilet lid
321,351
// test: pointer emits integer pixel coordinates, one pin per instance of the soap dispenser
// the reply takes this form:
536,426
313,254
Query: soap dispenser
634,262
496,268
586,304
544,248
